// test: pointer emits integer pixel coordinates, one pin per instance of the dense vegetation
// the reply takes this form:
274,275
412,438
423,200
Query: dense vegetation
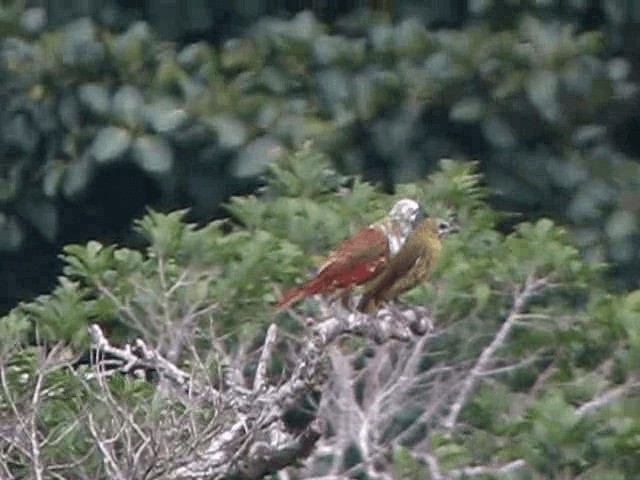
158,353
528,371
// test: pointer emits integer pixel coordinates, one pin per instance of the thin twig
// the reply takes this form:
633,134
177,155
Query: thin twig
607,397
434,468
520,300
485,470
260,379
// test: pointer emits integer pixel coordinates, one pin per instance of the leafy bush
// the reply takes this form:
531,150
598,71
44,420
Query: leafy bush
529,371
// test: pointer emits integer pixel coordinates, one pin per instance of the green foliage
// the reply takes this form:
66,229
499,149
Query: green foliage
302,206
85,97
14,331
302,211
406,467
64,314
141,102
570,343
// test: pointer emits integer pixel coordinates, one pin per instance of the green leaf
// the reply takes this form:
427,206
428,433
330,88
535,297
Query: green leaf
498,132
77,177
53,174
8,189
14,331
451,455
88,261
95,97
165,231
406,466
231,131
254,158
542,90
621,224
110,144
165,115
42,214
127,105
153,154
11,233
468,110
65,314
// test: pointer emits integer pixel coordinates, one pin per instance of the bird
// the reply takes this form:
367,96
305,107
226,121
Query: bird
359,257
411,266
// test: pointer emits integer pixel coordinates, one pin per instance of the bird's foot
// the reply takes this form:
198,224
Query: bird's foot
346,302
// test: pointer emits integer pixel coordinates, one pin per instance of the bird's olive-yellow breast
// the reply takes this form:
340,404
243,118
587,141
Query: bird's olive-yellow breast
410,267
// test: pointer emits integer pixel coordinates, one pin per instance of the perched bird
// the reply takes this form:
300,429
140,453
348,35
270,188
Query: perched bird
360,257
410,267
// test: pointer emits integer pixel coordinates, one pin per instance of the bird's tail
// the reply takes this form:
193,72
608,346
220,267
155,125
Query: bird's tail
295,294
290,297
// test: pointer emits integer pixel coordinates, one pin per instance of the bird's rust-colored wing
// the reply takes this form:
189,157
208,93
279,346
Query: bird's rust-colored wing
353,262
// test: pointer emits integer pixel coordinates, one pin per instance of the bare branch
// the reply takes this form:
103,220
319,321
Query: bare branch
250,440
261,371
110,463
509,368
266,458
147,359
36,461
484,470
607,397
436,474
531,287
434,467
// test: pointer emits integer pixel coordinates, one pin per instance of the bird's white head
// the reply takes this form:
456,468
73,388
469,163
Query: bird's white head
405,211
404,215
